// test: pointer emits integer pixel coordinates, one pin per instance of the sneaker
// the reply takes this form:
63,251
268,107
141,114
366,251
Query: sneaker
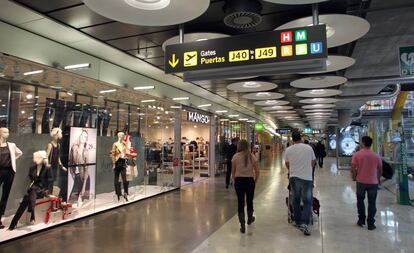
305,229
361,223
295,225
371,227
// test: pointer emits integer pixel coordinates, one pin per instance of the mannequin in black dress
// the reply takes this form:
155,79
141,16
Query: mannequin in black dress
9,153
59,172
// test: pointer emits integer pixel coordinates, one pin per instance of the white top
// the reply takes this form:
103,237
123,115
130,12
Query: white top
300,157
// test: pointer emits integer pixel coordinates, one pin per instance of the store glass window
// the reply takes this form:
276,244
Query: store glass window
4,102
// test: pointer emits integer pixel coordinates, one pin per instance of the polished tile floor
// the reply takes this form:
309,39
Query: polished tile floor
202,218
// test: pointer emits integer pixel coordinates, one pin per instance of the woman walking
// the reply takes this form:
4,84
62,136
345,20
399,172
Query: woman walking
245,173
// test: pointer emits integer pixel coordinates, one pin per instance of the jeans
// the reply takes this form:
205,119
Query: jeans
245,192
371,190
301,193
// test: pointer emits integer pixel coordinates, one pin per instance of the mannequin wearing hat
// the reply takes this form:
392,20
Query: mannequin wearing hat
40,175
9,153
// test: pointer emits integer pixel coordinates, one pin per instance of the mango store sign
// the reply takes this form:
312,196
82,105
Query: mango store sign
198,117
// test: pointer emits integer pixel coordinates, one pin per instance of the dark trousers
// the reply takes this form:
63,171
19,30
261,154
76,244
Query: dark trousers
120,169
29,202
245,193
320,161
228,173
371,190
6,179
301,193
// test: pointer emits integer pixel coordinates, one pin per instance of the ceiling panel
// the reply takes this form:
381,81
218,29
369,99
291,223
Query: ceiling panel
117,30
374,54
147,53
132,43
45,6
79,16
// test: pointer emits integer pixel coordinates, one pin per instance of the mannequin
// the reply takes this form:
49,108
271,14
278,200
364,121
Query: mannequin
118,154
59,172
9,153
41,177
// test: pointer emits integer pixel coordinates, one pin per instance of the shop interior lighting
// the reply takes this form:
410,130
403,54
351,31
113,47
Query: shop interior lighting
224,120
78,66
69,93
251,121
234,115
175,107
243,119
33,72
144,88
181,98
234,121
107,91
206,105
29,96
148,101
221,111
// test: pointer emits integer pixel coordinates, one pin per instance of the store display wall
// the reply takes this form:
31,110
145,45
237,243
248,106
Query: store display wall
33,112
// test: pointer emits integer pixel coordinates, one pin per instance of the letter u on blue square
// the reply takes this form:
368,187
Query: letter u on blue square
316,48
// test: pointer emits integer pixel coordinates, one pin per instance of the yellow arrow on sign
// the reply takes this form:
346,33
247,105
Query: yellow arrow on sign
173,62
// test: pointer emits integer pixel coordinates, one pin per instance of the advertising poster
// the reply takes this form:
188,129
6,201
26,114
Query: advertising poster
82,164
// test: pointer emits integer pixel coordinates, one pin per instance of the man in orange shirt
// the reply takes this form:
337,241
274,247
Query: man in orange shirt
366,170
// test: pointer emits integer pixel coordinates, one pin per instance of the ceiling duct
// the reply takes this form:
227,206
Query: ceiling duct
242,14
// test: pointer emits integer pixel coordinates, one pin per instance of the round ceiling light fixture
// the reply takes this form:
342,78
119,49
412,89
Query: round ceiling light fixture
319,106
317,82
263,96
318,101
271,102
316,93
251,86
148,4
334,63
341,29
149,12
277,107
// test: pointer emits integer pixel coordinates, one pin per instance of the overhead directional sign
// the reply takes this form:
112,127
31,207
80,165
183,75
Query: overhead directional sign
406,56
283,130
304,43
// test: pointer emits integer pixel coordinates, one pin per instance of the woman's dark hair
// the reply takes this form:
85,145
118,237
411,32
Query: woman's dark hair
243,146
367,141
